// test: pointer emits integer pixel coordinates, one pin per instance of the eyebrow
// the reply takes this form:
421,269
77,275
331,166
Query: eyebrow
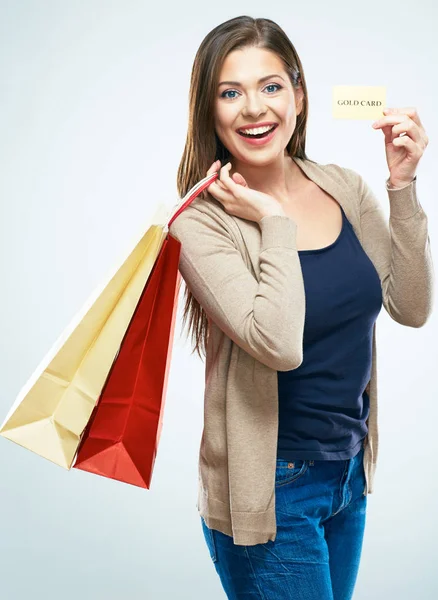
259,81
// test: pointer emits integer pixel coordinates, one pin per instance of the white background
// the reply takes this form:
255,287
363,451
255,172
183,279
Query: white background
93,117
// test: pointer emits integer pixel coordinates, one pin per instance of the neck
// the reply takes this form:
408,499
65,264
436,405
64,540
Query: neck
280,179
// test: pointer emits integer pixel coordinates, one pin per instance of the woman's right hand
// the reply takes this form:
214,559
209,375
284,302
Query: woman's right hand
238,199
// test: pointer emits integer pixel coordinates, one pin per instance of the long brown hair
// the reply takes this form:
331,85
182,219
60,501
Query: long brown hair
202,145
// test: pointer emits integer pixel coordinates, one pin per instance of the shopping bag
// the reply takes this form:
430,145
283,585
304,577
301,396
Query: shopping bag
53,408
55,405
122,437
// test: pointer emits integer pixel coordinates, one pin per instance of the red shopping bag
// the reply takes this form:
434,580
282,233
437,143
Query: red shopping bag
122,435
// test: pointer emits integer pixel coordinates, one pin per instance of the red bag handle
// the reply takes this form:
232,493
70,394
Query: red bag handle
190,196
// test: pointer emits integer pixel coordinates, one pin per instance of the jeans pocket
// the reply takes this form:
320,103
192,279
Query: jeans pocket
289,471
209,539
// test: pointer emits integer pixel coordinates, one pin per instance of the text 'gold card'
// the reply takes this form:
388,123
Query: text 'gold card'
358,101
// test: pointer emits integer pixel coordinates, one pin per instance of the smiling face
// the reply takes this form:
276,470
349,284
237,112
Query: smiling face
248,101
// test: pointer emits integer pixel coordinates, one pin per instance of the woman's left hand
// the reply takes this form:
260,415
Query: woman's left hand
402,153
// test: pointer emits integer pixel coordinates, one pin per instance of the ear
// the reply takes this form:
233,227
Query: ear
299,99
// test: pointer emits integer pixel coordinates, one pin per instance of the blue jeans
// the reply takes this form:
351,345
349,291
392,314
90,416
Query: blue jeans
320,514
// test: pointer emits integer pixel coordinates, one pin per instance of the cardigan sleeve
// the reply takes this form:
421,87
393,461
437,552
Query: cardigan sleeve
400,251
266,317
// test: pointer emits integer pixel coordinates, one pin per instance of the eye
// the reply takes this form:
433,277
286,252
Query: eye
270,85
227,92
275,85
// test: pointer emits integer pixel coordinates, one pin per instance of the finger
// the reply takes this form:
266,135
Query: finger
218,180
221,185
215,187
404,127
410,146
225,178
409,128
388,120
410,111
237,177
387,125
219,193
387,131
213,168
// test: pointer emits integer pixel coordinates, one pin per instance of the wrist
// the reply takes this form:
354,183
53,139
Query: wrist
396,185
275,212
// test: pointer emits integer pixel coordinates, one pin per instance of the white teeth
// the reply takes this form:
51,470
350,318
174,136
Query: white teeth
257,130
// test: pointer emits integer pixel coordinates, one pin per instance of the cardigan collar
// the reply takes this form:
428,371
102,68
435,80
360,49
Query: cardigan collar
327,177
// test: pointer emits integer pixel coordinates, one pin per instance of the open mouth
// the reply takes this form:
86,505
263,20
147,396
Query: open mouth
258,135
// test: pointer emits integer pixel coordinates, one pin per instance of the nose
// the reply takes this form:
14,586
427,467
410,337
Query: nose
254,106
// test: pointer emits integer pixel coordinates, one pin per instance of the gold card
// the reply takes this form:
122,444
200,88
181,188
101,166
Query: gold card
358,101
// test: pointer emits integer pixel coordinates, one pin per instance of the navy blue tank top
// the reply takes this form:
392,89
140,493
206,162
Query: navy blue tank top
323,405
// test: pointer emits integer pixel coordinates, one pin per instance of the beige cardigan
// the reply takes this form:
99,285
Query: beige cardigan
247,277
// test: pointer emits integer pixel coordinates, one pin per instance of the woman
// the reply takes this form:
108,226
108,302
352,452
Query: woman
287,263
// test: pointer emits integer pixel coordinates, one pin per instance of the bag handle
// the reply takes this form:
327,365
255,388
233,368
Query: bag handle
190,196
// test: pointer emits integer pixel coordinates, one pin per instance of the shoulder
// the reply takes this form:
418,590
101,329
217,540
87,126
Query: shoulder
340,181
337,173
202,215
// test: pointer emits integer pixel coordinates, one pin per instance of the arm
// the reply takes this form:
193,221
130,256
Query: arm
400,251
265,318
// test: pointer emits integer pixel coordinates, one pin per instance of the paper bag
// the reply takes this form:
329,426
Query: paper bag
54,407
